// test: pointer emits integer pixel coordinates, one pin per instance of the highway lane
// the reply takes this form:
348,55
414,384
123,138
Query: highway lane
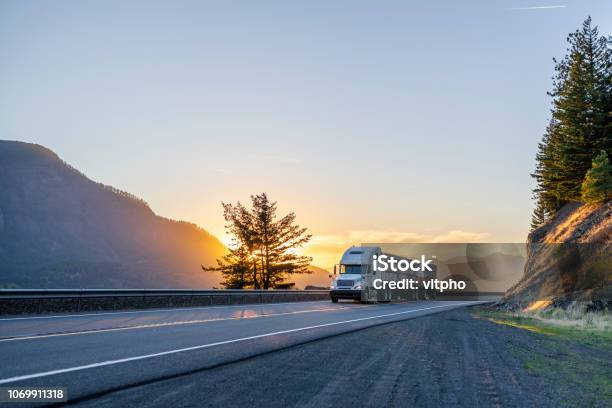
35,325
96,353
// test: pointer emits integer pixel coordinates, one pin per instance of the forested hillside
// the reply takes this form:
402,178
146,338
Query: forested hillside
569,255
59,229
573,156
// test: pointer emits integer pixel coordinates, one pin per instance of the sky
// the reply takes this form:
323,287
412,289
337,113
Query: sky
374,121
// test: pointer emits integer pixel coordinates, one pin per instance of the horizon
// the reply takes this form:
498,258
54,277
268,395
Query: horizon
150,102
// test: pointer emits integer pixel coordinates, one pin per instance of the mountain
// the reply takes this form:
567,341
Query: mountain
59,229
319,278
568,259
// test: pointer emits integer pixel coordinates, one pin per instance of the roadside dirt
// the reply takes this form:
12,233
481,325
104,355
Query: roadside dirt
451,359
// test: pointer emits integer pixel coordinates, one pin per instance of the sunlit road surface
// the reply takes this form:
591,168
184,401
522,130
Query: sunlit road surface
101,352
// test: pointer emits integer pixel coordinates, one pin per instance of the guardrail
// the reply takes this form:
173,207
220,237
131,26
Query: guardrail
35,301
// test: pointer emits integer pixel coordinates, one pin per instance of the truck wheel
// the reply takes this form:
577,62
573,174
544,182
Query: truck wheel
334,300
365,296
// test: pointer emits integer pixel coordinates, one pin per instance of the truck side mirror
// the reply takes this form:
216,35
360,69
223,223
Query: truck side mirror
330,275
335,270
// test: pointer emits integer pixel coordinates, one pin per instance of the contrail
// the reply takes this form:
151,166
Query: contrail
537,8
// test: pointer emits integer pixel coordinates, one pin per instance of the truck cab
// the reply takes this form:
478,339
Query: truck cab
349,278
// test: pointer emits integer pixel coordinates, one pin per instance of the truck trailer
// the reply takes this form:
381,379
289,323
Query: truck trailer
354,278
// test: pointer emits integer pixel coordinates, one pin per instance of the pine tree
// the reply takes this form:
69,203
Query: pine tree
239,266
597,185
581,91
539,216
261,254
236,268
278,239
547,171
581,123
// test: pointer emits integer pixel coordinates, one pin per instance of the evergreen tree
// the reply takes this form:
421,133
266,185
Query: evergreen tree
581,123
244,240
539,216
581,94
277,240
239,266
547,171
597,185
236,268
262,251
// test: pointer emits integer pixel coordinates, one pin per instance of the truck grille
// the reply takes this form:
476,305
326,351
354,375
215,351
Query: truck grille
344,282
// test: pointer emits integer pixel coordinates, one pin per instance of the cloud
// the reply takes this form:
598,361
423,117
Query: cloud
538,7
460,236
326,250
384,236
356,237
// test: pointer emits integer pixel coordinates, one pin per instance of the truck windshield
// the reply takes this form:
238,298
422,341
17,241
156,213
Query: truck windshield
351,269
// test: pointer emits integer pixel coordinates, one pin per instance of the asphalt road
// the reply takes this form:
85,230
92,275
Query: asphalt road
450,359
96,355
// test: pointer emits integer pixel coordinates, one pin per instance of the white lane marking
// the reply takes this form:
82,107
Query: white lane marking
219,343
176,309
153,325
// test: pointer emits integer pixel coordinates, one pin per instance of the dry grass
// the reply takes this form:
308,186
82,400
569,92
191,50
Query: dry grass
574,315
592,329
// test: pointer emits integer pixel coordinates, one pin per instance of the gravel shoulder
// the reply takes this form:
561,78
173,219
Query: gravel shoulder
460,358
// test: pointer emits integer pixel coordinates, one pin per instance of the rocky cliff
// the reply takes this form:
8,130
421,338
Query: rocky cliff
569,259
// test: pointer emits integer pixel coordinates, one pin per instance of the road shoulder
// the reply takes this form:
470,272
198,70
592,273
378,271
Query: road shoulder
456,358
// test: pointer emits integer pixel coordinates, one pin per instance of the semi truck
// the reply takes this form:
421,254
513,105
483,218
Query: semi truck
354,278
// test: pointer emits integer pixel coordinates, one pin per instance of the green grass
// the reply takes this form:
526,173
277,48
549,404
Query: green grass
588,331
575,359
